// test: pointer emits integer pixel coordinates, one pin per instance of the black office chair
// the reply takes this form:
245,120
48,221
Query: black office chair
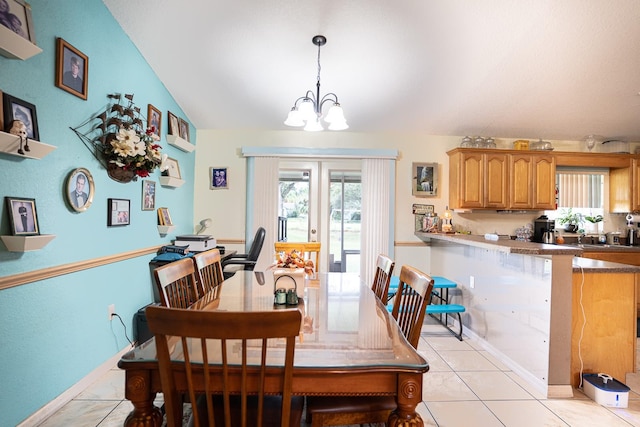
245,261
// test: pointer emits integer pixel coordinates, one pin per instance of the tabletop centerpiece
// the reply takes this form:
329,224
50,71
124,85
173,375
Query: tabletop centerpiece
294,266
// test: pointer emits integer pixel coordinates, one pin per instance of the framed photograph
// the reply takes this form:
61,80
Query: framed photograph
164,218
80,189
173,168
23,216
154,119
184,130
16,16
17,109
72,69
218,178
118,212
425,179
148,195
174,124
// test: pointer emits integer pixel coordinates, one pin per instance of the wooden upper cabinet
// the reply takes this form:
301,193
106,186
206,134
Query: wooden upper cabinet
478,180
532,181
624,188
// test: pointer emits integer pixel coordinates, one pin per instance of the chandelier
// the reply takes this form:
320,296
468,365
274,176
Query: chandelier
307,110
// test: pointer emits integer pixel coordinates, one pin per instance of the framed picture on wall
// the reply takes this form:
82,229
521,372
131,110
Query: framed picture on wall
72,69
173,168
164,218
174,124
23,216
218,178
118,212
17,18
148,195
154,119
80,189
425,179
17,109
184,129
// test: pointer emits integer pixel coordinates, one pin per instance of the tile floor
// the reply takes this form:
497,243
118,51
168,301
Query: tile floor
465,387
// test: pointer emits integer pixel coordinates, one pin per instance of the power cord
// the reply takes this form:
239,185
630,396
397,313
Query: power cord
123,325
584,324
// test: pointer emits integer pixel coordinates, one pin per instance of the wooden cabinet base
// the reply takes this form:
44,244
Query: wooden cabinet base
604,338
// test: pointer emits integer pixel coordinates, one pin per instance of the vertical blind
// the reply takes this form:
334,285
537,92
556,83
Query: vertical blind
578,189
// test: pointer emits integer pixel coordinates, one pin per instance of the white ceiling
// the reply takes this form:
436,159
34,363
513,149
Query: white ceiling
551,69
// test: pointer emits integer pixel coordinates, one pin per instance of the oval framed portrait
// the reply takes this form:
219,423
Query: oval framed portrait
80,189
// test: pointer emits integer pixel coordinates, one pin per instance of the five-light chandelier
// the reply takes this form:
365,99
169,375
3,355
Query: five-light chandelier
307,110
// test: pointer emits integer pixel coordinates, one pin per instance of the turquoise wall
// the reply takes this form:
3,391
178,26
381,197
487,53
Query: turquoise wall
55,332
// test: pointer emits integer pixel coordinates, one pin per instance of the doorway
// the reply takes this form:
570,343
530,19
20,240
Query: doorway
320,201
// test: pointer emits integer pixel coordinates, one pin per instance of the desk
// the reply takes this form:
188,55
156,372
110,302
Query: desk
349,345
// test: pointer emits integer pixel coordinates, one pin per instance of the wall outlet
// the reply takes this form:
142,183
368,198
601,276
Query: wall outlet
111,308
472,282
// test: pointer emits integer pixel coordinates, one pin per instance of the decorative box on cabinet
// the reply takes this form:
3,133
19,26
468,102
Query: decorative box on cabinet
168,181
26,243
10,143
180,143
15,46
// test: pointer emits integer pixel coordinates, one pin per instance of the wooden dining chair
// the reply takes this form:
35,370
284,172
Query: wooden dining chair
409,309
226,354
208,270
309,250
382,278
176,283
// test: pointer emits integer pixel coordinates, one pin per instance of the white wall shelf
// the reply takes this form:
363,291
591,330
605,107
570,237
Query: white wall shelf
180,143
26,243
15,46
10,143
168,181
165,229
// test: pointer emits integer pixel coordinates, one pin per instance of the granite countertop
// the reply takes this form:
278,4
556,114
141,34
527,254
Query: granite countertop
589,265
503,245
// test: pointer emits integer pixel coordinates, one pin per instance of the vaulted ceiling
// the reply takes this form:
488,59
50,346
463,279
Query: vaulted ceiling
512,69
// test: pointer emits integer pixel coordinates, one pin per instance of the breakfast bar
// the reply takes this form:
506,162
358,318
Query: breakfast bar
524,304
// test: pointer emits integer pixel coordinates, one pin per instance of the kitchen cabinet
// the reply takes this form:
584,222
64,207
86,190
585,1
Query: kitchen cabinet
624,187
532,181
501,179
478,180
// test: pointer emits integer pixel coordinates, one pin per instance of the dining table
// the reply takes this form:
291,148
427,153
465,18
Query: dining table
349,344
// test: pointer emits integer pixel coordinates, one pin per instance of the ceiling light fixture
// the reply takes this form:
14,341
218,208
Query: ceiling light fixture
307,110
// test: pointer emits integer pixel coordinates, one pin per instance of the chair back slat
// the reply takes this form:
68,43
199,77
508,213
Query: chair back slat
229,352
382,278
176,283
208,270
410,302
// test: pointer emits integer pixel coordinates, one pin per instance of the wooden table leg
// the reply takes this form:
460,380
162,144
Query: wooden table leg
409,396
138,391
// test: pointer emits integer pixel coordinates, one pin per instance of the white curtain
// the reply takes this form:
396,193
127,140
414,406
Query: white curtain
262,204
377,207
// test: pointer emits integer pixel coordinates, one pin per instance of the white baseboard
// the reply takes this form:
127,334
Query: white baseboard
67,396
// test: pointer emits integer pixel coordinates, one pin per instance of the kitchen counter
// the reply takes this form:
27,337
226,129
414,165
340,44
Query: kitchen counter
589,265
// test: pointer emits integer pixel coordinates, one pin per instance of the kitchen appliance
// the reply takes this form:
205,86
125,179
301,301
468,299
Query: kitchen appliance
632,236
541,226
613,238
549,238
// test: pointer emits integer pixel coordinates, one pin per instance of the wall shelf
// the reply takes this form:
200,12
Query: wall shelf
26,243
165,229
15,46
180,143
168,181
10,143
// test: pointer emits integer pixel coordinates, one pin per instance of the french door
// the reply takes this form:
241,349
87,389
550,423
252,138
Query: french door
320,201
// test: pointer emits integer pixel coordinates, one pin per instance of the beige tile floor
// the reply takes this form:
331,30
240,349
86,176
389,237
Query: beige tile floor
465,387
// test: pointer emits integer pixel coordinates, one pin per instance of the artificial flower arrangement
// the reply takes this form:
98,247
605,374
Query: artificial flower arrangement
134,152
294,259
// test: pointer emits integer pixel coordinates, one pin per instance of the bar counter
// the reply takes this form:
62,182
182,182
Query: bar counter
522,303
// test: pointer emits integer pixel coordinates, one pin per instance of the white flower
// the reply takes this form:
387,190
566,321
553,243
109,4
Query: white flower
128,135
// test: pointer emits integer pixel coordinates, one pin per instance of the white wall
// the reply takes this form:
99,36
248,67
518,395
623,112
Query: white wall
227,207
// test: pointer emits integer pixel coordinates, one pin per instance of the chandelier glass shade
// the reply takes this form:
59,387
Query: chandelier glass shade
307,110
